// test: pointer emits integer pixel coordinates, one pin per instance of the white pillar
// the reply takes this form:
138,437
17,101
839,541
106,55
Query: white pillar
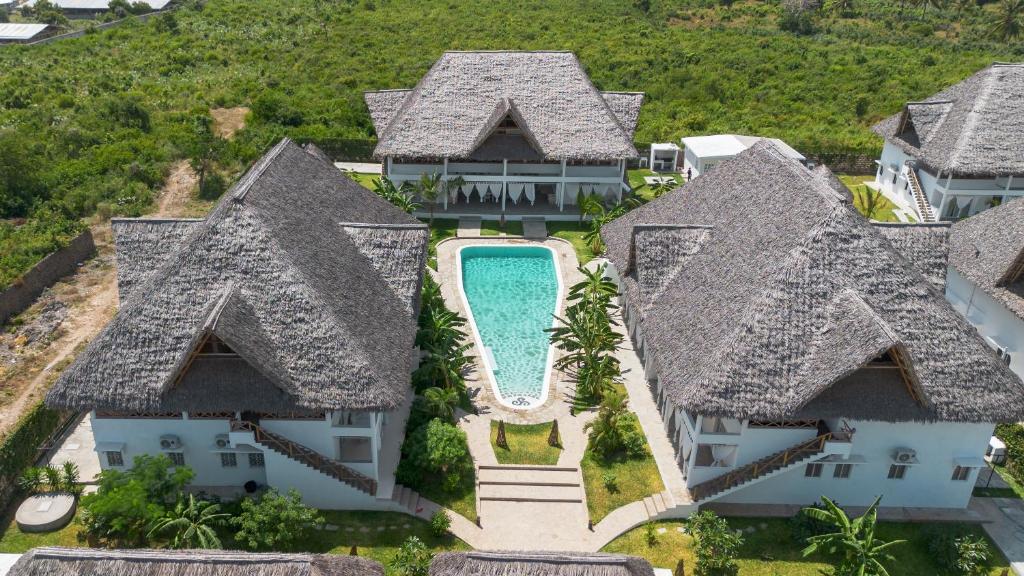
387,167
622,179
1009,182
444,180
504,182
561,187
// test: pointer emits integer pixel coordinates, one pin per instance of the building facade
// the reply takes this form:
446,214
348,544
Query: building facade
508,133
960,151
270,344
805,354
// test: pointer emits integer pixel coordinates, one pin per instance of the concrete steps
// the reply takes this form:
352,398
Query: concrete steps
406,499
529,484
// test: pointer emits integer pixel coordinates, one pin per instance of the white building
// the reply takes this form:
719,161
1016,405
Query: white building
93,8
526,132
805,352
664,157
270,343
702,153
960,151
20,33
985,284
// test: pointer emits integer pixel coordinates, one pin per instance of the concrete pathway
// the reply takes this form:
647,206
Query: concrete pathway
360,167
469,226
1005,526
78,446
534,228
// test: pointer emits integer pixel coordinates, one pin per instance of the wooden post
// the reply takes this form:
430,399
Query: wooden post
680,568
553,438
501,441
354,551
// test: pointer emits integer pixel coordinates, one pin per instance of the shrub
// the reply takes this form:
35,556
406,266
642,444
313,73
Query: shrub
438,449
961,554
802,525
18,449
715,545
650,534
440,522
214,185
275,521
412,559
610,481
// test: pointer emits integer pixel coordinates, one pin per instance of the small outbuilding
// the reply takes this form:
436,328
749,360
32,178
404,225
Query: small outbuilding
664,157
93,8
20,33
702,153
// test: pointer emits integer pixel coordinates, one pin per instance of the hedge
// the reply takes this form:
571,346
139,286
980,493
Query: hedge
20,448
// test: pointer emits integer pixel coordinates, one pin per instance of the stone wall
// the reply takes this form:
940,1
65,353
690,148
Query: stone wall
24,291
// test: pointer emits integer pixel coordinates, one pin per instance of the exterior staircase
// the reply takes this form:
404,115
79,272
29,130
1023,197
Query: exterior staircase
924,209
760,469
307,456
409,501
657,504
513,483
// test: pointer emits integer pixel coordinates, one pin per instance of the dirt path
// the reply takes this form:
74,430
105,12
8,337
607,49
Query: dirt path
90,296
227,121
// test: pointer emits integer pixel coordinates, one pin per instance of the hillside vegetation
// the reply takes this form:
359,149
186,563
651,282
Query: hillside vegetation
91,125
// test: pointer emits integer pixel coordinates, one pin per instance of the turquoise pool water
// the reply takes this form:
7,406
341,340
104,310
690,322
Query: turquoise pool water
512,292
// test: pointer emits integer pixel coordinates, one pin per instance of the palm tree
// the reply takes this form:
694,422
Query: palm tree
191,525
441,402
1009,19
593,206
429,189
400,196
606,430
594,288
855,540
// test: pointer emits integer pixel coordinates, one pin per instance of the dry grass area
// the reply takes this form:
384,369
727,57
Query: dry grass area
228,121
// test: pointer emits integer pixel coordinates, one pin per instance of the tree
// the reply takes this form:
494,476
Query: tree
126,503
191,524
605,431
1009,19
412,559
429,189
400,196
853,540
275,521
593,205
839,7
715,545
868,202
46,12
440,449
203,149
441,402
20,185
441,337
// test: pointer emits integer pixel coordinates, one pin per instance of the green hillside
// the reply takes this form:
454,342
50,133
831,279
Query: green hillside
92,124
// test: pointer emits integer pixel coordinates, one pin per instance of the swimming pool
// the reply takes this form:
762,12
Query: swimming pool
511,294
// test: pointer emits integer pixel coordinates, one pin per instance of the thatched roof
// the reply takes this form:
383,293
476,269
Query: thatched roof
974,128
537,564
763,294
455,107
988,250
311,279
93,562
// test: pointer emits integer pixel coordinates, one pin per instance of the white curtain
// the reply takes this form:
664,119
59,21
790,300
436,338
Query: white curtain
514,192
687,447
531,193
721,453
709,425
611,191
962,201
467,190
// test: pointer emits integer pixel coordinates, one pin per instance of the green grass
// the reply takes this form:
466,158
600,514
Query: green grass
640,188
363,178
885,208
441,229
773,550
383,535
527,444
461,500
573,231
636,478
491,228
1016,490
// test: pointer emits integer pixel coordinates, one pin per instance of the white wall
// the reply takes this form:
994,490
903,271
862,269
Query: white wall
893,155
989,316
926,484
317,489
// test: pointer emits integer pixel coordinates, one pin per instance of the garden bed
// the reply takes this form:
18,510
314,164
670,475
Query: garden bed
635,479
527,444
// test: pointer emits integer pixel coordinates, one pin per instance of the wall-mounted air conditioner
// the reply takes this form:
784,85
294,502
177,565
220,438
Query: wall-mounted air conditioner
221,441
904,456
170,442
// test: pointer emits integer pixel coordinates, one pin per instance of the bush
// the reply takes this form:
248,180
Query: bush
715,544
18,449
126,503
412,559
440,522
803,525
961,554
275,521
438,449
213,186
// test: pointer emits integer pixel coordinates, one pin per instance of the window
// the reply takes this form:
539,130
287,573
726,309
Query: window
114,458
177,458
813,470
842,471
897,471
228,459
961,473
355,449
256,460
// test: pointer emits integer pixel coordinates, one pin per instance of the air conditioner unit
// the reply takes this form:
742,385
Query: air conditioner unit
169,442
221,441
904,456
1004,354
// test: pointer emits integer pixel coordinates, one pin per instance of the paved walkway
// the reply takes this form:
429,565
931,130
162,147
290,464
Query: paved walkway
78,446
534,228
469,227
360,167
1005,526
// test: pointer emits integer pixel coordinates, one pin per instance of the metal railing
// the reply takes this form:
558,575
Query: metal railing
761,467
923,207
307,456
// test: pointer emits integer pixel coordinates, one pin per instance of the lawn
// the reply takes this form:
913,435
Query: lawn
492,228
573,231
1016,490
772,550
884,211
376,535
527,444
635,479
441,229
363,178
640,188
461,500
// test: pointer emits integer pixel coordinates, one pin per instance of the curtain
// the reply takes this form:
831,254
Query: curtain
531,193
721,453
514,192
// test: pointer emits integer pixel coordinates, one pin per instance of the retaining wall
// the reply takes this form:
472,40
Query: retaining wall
24,290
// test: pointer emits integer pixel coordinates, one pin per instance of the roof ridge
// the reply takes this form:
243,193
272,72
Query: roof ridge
604,103
241,188
980,100
385,225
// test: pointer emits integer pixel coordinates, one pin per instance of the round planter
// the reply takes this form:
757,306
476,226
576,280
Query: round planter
46,512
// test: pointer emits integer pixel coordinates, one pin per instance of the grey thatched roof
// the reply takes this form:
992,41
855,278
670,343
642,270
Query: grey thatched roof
456,105
758,312
310,278
988,249
537,564
142,245
973,128
94,562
